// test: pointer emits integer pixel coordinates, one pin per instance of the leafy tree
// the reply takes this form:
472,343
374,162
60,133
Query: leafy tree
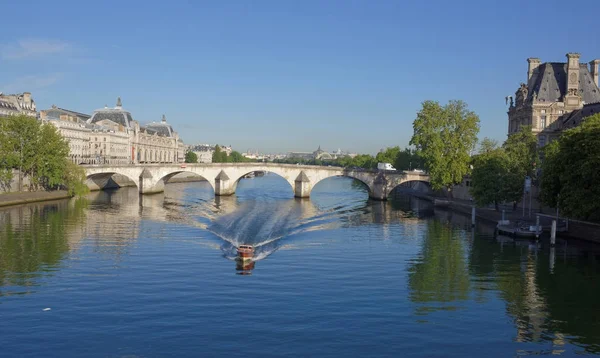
571,171
219,156
408,159
488,176
389,155
444,136
191,157
40,153
487,145
74,179
522,151
237,157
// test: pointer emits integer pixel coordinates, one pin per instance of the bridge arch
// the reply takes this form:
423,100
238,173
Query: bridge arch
365,183
106,180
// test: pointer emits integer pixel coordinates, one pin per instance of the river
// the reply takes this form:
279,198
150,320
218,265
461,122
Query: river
119,275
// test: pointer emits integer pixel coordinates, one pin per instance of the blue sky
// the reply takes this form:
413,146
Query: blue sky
287,75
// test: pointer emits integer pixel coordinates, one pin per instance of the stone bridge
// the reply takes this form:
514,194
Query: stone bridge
223,177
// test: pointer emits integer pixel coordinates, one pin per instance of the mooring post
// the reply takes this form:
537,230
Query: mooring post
473,215
553,233
502,214
537,226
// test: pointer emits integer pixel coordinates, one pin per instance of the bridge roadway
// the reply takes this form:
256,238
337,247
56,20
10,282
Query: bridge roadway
223,177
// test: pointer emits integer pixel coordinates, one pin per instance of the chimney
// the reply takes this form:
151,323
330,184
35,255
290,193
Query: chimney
594,64
572,73
27,97
532,69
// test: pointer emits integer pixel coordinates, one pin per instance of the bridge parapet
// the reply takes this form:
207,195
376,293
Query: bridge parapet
223,177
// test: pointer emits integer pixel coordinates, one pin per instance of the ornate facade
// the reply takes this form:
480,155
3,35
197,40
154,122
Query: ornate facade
554,96
13,104
112,136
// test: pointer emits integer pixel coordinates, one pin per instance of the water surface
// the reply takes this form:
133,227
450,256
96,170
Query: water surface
336,275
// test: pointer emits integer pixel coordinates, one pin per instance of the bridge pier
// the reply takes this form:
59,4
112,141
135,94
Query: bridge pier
302,186
223,185
379,189
148,184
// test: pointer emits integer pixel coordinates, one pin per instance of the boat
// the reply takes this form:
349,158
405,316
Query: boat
523,230
244,267
245,252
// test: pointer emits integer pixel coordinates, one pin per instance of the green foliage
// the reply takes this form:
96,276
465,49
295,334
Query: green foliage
408,159
191,157
522,151
37,150
74,179
570,171
219,156
487,145
490,170
444,136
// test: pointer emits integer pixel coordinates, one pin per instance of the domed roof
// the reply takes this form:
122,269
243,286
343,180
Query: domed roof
162,127
116,115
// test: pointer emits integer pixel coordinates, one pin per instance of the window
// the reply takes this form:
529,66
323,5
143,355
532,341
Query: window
543,111
543,122
542,140
560,111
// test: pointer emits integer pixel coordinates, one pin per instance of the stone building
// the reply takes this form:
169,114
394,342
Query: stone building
554,92
204,152
13,104
112,136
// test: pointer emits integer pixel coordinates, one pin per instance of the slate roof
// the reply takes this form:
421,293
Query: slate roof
550,83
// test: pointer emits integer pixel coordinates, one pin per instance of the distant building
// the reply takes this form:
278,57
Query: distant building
557,96
15,104
204,152
112,136
318,154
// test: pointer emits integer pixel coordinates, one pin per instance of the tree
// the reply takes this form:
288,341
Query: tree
40,153
191,157
219,156
487,145
571,171
444,137
522,151
408,159
389,155
488,176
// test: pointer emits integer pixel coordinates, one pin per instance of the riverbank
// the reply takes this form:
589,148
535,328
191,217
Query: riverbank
25,197
579,230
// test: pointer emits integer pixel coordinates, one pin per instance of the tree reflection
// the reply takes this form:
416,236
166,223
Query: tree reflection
441,274
35,238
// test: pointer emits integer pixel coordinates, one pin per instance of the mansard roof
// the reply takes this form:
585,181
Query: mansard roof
550,83
162,127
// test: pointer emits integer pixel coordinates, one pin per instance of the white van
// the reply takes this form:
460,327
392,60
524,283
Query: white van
385,166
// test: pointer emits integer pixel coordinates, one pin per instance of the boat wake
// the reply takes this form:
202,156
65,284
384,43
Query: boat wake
267,224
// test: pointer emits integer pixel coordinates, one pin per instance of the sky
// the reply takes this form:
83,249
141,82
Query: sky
278,75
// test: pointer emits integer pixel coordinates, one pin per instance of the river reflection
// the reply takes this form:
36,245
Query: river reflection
533,299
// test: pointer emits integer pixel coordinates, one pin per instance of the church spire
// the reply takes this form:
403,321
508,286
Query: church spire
119,105
164,119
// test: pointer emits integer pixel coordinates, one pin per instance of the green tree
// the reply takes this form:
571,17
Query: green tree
40,153
237,157
488,177
487,145
389,155
444,136
219,156
74,179
191,157
570,171
408,159
522,151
